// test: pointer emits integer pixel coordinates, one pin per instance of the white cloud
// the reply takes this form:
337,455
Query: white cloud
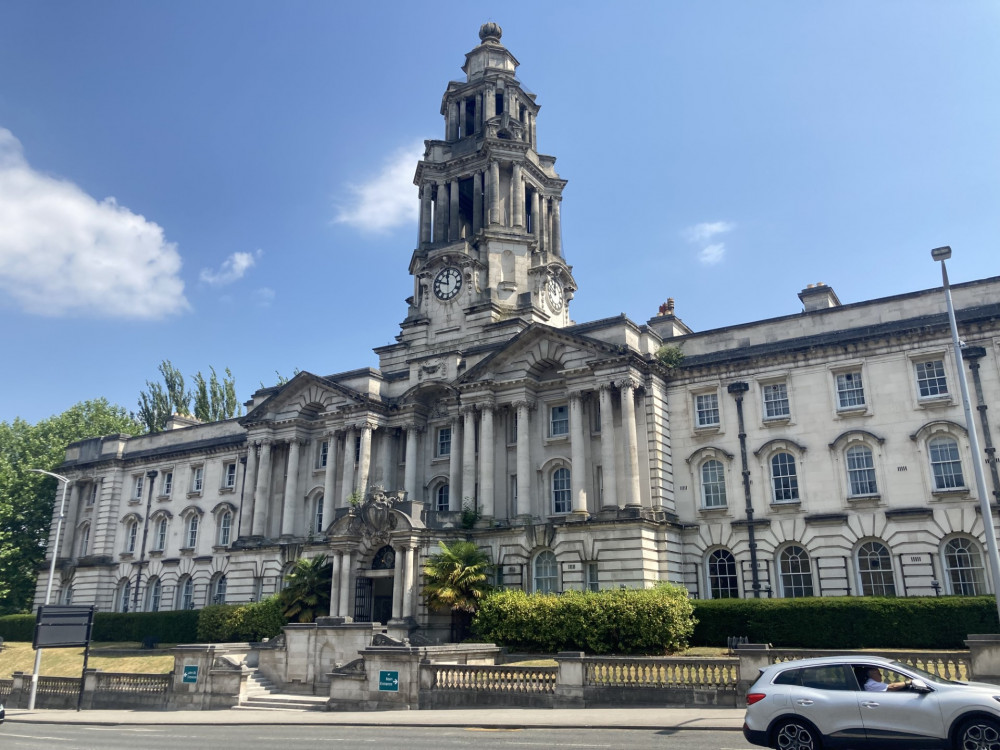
712,254
707,230
389,199
233,269
64,253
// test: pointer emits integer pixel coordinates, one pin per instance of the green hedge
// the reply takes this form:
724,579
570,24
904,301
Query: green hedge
17,627
225,623
164,627
644,621
846,622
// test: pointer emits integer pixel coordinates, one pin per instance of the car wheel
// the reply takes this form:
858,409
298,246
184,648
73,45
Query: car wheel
979,734
796,735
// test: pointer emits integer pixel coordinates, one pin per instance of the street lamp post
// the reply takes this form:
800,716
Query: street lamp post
737,390
52,574
941,254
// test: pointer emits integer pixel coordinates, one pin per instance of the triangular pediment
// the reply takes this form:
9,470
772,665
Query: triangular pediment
305,396
541,352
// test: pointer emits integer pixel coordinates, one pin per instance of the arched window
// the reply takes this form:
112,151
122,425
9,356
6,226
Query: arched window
131,532
318,515
225,528
546,571
860,471
219,589
160,537
875,570
796,575
784,480
191,534
441,498
84,539
713,484
185,593
722,580
67,595
963,565
561,494
946,464
154,591
124,598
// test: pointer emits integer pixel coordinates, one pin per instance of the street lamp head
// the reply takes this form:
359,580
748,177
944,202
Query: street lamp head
941,253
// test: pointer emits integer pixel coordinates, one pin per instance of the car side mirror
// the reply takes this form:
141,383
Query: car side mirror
919,686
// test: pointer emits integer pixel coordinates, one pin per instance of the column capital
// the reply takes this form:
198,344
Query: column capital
577,394
626,384
527,403
413,426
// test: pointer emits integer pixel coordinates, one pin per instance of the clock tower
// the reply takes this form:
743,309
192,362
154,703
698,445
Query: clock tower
490,247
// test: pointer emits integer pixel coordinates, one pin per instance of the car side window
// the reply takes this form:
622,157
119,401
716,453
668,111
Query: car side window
832,677
789,677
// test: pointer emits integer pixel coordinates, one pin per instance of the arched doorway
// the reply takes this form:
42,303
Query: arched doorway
373,592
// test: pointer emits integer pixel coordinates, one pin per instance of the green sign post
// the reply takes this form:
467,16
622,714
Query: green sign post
388,680
190,673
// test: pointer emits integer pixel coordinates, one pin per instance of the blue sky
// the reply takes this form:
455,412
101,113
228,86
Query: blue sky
229,184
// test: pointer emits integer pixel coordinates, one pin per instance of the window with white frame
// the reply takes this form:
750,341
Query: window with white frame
154,592
191,532
84,539
229,476
443,442
713,484
706,406
963,565
168,484
219,590
124,595
546,573
775,400
561,492
931,380
860,471
160,535
558,420
67,596
324,454
137,487
795,571
784,479
441,498
946,463
850,390
723,582
593,582
875,570
197,478
318,515
131,532
225,528
185,593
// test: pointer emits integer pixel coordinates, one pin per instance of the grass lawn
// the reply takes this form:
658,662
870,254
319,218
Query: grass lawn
68,662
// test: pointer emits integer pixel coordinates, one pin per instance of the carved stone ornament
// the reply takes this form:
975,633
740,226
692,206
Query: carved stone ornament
374,518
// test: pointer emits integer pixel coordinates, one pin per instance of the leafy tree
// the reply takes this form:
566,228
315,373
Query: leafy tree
27,499
669,356
215,399
306,595
456,578
282,379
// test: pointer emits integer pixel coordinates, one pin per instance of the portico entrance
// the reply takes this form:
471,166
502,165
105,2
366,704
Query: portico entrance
374,588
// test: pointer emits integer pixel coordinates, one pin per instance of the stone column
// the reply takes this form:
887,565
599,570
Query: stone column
453,223
534,134
262,495
410,476
426,203
347,480
486,459
517,185
479,113
610,499
408,582
330,480
490,102
452,121
441,213
477,202
579,470
69,528
536,225
345,583
494,192
543,226
556,228
463,120
455,467
523,459
249,486
335,584
469,456
399,561
365,459
291,489
630,444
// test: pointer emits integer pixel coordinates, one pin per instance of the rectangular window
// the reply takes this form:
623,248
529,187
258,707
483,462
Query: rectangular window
197,478
707,409
444,441
850,391
92,497
168,483
775,400
137,488
931,381
559,420
324,454
592,582
357,449
192,531
596,417
229,476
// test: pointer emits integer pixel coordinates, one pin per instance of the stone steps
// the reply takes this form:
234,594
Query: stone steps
261,694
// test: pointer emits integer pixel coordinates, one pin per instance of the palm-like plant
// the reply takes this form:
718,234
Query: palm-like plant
456,578
306,595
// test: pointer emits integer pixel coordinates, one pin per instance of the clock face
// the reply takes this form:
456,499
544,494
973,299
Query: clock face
554,295
448,283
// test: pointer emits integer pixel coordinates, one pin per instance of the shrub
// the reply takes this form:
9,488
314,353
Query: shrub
222,623
17,627
657,620
165,627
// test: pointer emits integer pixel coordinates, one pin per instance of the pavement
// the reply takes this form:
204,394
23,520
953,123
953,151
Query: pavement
489,718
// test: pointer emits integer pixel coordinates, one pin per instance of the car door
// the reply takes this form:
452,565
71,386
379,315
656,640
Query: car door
827,696
902,718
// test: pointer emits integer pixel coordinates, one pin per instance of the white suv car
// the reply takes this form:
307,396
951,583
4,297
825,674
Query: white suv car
814,703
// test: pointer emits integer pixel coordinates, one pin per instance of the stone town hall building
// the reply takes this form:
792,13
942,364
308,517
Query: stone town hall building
583,461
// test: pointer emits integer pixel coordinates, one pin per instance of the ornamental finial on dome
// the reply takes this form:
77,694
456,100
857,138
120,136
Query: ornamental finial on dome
490,32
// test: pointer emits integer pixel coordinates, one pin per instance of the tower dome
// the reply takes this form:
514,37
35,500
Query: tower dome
490,32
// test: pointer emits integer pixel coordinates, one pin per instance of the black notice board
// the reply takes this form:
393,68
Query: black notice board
63,626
